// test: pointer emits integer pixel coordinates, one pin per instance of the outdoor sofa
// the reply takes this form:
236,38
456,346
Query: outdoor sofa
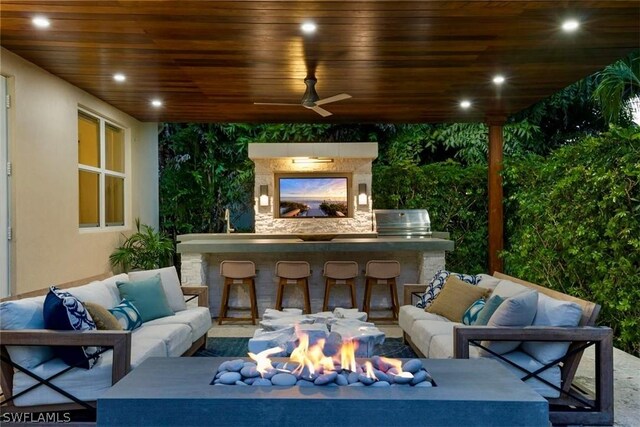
30,376
561,328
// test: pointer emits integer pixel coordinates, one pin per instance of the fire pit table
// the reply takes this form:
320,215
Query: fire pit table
177,391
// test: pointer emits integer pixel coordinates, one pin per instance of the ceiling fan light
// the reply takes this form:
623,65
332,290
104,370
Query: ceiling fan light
308,27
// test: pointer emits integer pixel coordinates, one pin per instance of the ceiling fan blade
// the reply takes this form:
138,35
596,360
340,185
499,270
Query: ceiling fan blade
274,103
321,111
334,98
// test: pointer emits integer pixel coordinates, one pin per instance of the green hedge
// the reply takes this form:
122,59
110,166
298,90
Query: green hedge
573,223
456,198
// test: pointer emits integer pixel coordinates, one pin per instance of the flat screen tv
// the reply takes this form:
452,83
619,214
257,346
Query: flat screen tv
313,196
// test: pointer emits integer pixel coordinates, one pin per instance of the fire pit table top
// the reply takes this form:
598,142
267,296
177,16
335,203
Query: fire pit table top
176,391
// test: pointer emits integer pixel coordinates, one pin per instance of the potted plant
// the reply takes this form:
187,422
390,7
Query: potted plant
146,249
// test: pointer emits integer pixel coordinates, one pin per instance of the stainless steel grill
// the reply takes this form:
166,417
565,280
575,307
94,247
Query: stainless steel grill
410,223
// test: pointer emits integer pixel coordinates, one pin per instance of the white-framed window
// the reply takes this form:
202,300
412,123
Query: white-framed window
101,172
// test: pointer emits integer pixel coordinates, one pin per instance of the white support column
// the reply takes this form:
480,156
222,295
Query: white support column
194,269
429,264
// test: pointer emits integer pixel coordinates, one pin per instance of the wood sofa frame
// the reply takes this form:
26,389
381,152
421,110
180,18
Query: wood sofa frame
575,404
119,341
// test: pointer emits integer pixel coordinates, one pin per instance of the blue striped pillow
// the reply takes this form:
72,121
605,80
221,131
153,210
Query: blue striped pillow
471,315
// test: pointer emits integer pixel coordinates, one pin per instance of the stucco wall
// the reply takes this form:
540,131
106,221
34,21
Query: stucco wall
48,247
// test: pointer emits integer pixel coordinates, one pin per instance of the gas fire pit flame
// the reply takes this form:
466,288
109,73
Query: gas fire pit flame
348,355
263,363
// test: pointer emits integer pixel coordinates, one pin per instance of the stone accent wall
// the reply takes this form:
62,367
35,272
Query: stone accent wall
194,269
265,222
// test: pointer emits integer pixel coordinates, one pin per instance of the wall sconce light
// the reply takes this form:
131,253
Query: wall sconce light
362,195
264,195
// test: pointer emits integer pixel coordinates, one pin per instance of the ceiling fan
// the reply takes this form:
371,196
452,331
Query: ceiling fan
311,100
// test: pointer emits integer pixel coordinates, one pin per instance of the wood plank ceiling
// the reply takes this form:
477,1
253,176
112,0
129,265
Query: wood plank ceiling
402,61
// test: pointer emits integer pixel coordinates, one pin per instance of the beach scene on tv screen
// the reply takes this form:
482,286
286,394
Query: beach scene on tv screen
313,197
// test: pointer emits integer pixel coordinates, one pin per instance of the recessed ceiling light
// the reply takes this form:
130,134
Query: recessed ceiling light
465,104
41,22
119,77
570,25
308,27
156,103
498,79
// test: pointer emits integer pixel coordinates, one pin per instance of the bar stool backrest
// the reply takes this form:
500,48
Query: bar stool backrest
382,269
293,269
340,269
237,269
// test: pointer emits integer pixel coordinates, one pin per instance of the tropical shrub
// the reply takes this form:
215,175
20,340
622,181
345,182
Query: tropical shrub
146,249
455,197
573,223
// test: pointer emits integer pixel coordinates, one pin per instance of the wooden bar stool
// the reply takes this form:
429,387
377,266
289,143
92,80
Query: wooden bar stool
381,273
238,273
339,273
293,273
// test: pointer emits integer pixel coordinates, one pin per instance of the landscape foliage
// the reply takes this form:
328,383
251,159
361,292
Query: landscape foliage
572,188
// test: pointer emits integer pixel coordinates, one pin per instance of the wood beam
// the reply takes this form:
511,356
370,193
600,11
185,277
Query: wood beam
496,211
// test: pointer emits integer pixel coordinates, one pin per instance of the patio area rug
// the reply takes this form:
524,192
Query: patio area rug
238,347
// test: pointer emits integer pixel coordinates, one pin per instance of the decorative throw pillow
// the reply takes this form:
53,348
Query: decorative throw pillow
25,314
64,312
518,311
471,315
147,296
104,320
170,283
489,308
437,283
552,312
455,298
127,315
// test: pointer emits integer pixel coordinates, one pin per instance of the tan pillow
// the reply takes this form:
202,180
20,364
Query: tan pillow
104,320
455,298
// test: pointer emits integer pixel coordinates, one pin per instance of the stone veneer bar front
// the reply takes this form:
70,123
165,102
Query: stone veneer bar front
201,255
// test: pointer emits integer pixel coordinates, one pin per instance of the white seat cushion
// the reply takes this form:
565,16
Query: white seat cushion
176,337
423,332
410,313
530,364
487,282
508,289
197,318
87,385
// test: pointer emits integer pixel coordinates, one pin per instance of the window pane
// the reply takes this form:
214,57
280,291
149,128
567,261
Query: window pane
89,199
88,140
114,204
114,148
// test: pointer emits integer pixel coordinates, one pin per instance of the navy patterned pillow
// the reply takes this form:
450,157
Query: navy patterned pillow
471,315
435,286
64,312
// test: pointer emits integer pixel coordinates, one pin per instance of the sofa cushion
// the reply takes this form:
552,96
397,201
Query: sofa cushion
437,283
87,385
176,337
64,312
410,313
490,307
471,315
455,298
552,312
127,315
103,292
522,359
507,288
104,320
170,283
441,347
487,282
25,314
148,296
424,332
517,311
197,318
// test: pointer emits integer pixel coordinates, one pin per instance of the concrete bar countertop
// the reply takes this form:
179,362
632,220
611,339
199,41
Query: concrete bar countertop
262,243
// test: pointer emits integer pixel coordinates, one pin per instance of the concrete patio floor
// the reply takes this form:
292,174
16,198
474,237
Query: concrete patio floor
626,371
